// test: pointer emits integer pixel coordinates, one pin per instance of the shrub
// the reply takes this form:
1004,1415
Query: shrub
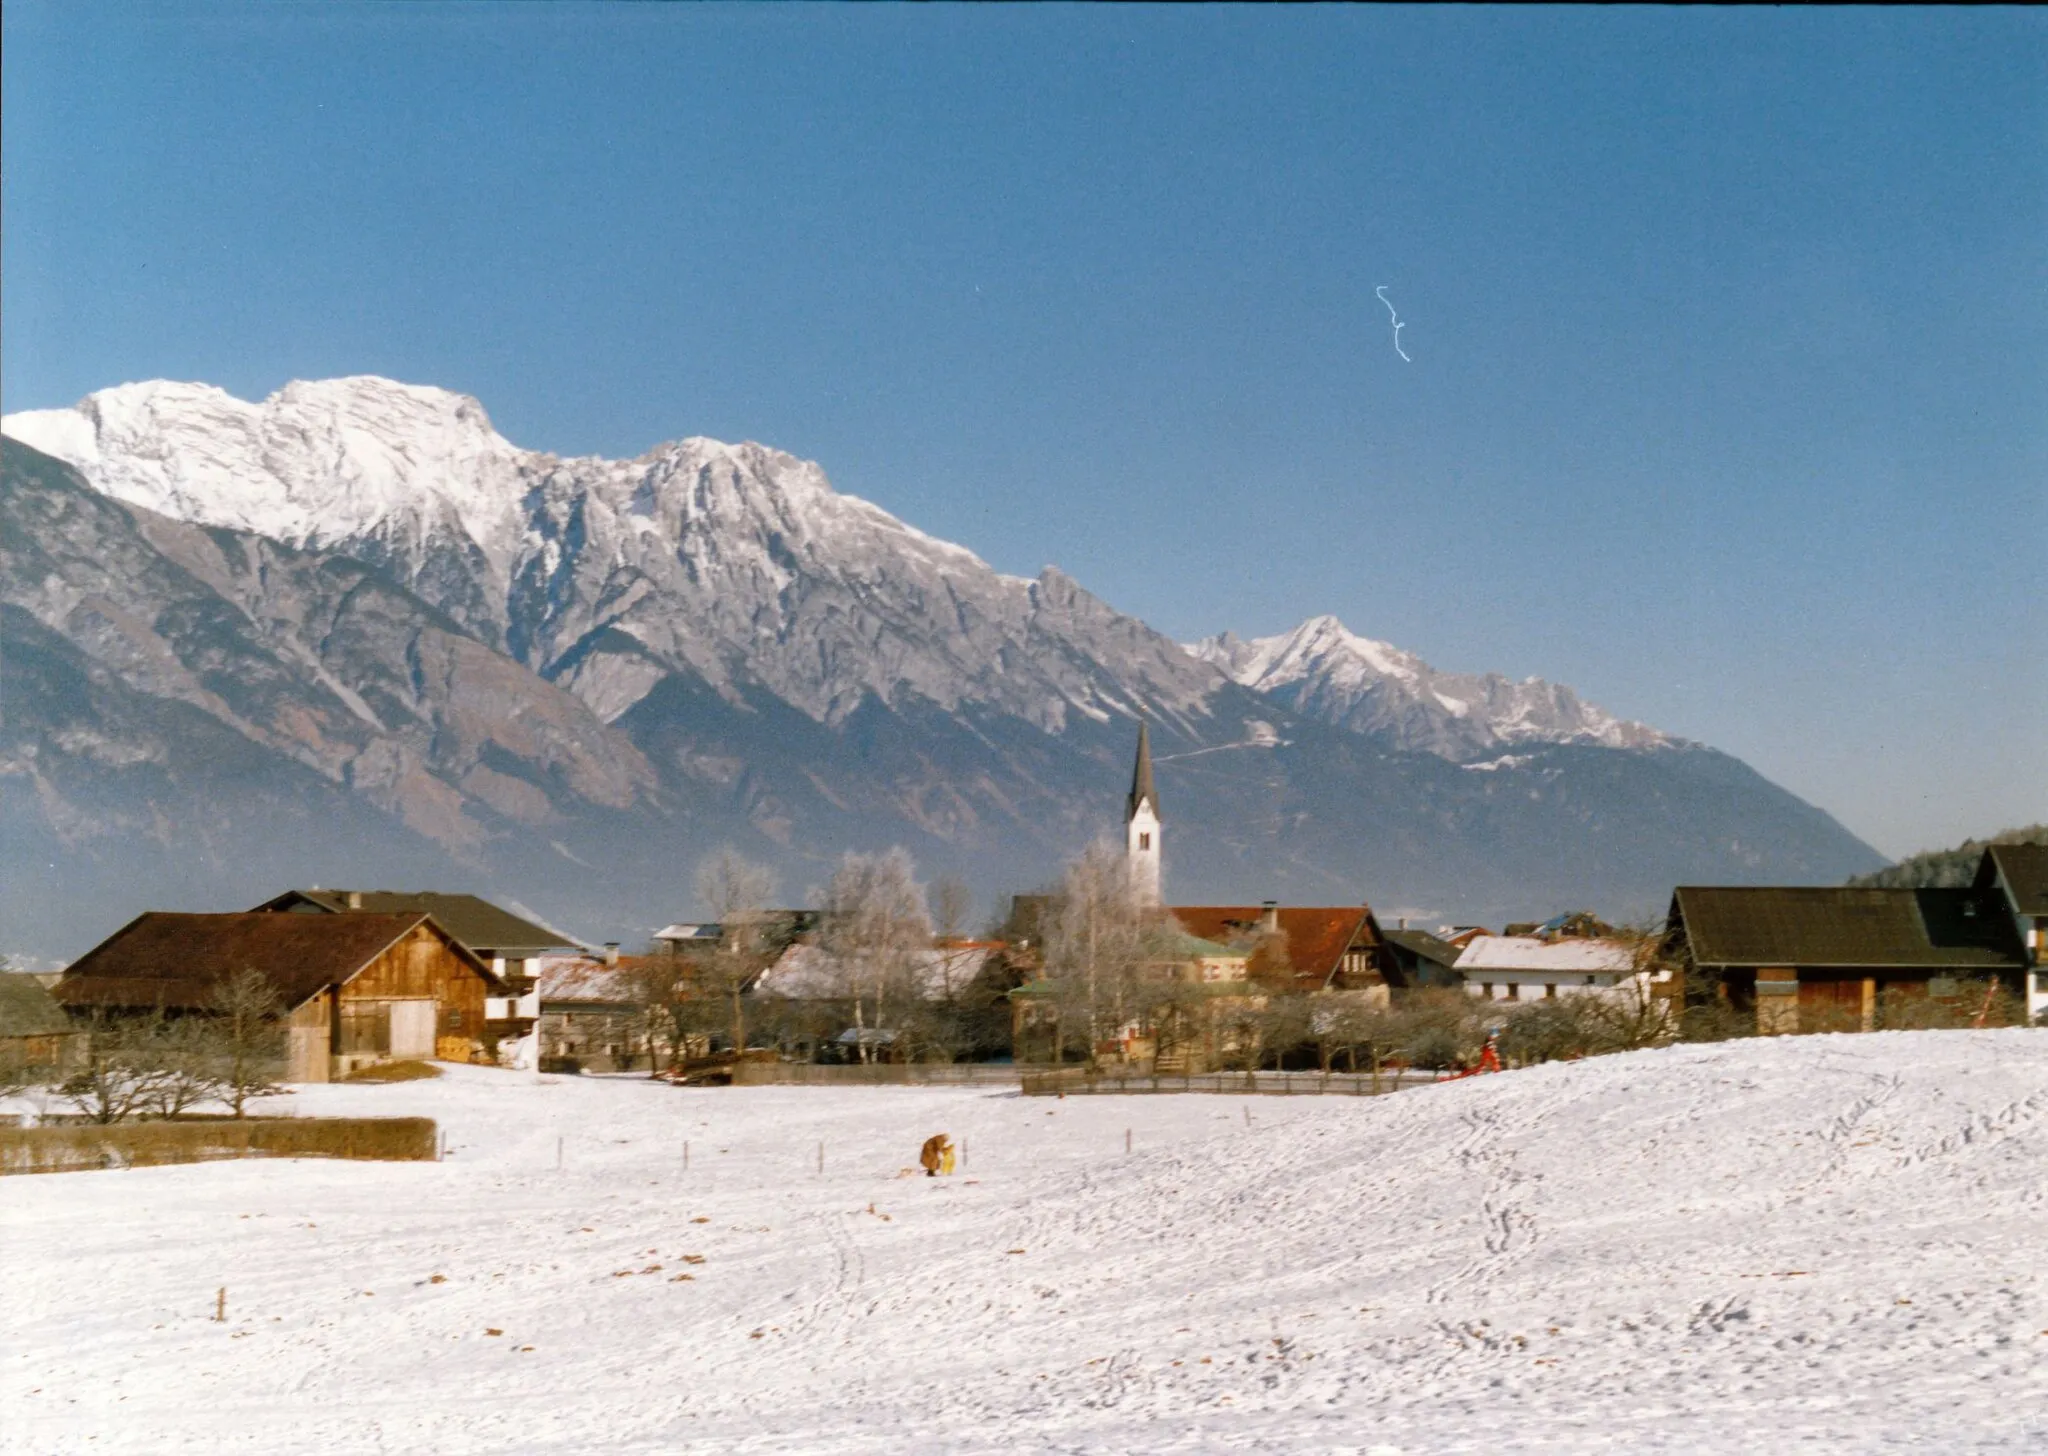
134,1145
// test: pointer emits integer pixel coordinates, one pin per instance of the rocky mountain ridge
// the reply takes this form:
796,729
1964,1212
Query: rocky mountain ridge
1328,672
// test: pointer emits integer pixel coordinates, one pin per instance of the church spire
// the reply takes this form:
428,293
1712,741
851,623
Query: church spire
1142,826
1142,791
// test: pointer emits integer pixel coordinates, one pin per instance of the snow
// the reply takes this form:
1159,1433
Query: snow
1819,1243
320,461
1493,765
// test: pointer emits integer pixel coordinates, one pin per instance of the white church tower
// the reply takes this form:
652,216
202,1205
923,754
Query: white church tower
1141,825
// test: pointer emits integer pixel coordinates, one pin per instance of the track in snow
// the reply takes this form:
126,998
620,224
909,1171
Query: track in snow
1822,1243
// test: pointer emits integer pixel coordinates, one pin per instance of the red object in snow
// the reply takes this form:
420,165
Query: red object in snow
1489,1061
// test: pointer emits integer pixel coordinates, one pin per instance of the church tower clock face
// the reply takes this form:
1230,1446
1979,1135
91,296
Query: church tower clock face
1142,825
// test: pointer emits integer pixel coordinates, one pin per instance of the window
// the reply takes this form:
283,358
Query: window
1514,990
1550,992
1144,841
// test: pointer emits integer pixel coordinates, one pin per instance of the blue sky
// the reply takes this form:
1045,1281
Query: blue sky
1728,401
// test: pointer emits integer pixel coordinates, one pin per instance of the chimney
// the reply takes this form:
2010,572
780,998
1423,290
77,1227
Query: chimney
353,899
611,952
1269,916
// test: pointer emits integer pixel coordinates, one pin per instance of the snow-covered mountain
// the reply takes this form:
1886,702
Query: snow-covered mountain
735,563
351,634
1324,670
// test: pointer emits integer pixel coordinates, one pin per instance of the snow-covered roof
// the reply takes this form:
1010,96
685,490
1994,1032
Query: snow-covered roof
806,972
582,978
1526,953
689,932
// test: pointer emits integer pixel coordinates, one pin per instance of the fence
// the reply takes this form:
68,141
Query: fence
1078,1082
881,1074
73,1148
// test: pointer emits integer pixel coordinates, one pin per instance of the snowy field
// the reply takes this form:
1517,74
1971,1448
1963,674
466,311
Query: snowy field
1818,1243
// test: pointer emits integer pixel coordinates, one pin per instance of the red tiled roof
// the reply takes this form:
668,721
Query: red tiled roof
1317,936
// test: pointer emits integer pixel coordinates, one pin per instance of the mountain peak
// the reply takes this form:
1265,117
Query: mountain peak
318,461
1324,669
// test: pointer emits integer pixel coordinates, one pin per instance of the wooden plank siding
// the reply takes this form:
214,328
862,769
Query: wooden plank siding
420,966
310,1034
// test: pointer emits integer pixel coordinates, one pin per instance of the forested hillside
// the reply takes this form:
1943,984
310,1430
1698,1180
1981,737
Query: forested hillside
1936,868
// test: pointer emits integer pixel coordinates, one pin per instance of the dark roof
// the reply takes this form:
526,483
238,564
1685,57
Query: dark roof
176,961
27,1009
2023,870
1422,944
1142,787
1848,927
480,926
1317,936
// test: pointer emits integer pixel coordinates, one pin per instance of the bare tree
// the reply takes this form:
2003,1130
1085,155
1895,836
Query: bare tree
736,891
1098,944
248,1038
1642,1008
184,1053
952,907
1341,1024
119,1073
675,1009
877,930
1285,1022
1438,1029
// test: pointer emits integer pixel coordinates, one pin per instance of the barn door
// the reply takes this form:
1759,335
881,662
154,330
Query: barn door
365,1028
412,1028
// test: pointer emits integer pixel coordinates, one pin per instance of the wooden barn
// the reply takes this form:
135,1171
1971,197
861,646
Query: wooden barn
359,989
1841,958
2019,872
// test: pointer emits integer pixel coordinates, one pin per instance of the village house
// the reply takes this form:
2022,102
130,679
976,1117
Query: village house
2020,873
1530,968
774,931
38,1041
1426,960
1302,947
357,989
591,1015
1843,958
510,945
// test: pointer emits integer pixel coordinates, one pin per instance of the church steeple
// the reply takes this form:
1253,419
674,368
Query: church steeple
1142,824
1142,790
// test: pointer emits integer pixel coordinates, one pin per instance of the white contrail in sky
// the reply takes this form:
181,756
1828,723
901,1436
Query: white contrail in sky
1398,325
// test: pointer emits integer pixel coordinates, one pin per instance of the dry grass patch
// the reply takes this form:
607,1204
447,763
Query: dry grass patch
395,1072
